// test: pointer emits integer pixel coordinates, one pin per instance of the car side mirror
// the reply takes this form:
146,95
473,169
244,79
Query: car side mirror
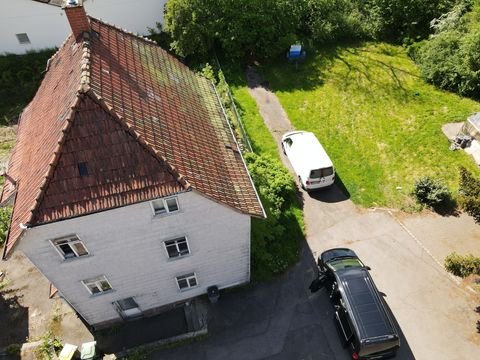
318,283
368,268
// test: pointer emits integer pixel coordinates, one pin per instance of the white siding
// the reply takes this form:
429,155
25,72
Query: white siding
126,245
47,26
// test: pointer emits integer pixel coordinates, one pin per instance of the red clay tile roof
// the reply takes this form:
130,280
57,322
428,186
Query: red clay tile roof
145,125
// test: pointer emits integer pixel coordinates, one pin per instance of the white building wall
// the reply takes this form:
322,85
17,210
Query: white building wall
47,26
126,245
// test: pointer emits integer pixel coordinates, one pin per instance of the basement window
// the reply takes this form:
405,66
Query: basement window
23,38
165,206
97,285
70,247
187,281
128,308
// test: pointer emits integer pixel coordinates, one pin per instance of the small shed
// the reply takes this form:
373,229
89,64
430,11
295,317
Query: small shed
472,126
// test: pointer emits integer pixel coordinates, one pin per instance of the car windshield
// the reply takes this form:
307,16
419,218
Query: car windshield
342,263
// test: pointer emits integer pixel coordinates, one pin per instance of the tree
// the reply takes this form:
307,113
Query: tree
240,28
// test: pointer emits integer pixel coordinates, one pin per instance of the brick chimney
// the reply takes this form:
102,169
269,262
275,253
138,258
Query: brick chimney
77,17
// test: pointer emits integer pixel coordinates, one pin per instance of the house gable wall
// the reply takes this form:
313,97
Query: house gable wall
126,245
47,26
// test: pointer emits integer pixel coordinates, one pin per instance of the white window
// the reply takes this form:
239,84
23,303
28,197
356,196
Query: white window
187,281
177,247
70,247
23,38
163,206
97,285
128,308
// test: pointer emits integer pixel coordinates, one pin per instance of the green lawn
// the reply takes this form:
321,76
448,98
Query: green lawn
380,123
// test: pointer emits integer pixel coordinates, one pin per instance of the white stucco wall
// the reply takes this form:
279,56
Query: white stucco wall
126,245
47,26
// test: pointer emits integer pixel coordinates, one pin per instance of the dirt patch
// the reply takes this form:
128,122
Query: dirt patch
452,129
28,310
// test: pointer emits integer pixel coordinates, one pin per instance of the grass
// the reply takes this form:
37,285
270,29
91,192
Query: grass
286,247
379,122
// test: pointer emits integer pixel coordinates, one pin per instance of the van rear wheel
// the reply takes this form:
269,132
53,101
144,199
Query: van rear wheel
301,183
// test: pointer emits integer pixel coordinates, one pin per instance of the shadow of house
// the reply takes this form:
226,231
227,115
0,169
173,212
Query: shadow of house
14,318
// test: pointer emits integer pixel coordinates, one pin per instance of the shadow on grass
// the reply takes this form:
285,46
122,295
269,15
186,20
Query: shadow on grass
14,318
449,208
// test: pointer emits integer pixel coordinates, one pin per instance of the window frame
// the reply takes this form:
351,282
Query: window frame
70,241
165,206
175,242
187,277
97,281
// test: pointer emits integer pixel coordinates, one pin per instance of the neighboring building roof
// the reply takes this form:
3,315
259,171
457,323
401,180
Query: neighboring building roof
143,124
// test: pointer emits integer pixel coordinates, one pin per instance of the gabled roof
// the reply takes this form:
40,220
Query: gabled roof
143,124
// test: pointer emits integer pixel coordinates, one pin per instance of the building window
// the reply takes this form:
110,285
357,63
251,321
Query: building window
163,206
97,285
177,248
128,308
23,38
70,247
83,169
187,281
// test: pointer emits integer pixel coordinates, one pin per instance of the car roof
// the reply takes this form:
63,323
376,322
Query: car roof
361,297
305,144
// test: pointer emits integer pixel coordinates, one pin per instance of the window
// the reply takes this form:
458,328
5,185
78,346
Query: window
97,285
177,247
128,308
320,173
163,206
83,169
70,247
23,38
187,281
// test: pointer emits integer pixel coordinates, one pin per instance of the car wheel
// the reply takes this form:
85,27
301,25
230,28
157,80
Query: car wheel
301,183
283,149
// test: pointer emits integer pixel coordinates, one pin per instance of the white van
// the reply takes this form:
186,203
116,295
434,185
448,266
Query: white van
309,159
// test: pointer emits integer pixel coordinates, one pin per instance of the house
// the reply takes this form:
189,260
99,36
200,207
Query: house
28,25
130,194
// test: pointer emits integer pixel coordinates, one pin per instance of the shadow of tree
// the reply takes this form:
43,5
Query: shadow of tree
14,316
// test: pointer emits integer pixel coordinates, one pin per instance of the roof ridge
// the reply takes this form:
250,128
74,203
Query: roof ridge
54,159
86,62
137,35
149,147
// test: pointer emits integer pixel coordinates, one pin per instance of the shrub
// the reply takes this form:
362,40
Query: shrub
431,192
13,349
469,194
49,347
4,223
462,266
273,249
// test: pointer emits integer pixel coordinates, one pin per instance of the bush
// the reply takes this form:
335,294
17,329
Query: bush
469,194
450,59
13,350
462,266
5,213
273,248
432,193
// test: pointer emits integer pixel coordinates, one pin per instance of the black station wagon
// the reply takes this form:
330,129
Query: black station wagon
362,320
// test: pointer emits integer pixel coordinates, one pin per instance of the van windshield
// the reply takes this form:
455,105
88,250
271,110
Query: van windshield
320,173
